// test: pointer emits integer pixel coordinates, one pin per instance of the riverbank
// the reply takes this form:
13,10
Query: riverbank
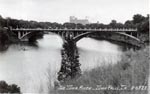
130,75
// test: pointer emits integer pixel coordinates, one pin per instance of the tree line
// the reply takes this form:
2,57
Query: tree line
5,88
139,21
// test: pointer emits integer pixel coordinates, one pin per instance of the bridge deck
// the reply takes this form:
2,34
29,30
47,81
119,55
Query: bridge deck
107,30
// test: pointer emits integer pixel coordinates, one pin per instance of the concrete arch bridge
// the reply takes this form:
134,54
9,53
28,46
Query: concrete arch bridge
129,36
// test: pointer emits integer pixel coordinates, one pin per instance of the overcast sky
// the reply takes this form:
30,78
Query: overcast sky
60,10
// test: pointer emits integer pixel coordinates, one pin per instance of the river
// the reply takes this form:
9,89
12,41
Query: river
34,70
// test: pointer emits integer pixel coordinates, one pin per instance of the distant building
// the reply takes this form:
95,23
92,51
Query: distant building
76,20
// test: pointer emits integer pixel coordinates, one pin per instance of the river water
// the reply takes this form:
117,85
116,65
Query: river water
35,69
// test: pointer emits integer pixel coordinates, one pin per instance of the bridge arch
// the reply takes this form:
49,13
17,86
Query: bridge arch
25,35
30,35
114,36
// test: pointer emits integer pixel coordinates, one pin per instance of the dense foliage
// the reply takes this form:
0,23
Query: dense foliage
138,21
3,36
4,39
5,88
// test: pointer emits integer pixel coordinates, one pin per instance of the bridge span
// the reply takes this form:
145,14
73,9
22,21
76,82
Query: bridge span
129,36
91,30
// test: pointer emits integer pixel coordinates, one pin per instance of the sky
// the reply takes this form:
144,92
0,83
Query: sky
60,10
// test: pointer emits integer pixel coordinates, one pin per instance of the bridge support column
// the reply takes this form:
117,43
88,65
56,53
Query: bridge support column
70,67
19,35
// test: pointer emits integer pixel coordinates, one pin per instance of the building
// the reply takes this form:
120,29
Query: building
76,20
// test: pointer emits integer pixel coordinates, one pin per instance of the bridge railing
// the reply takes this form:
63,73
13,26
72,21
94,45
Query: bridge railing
76,29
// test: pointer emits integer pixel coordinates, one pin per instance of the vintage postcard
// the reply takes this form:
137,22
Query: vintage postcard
74,46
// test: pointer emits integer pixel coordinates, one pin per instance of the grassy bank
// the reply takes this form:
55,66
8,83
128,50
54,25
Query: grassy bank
132,71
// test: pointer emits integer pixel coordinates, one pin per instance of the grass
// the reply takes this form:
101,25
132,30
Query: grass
132,70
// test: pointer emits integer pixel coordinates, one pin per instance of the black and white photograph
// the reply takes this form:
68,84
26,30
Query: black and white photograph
74,47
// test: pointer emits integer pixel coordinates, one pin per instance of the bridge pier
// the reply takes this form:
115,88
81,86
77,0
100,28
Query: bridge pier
19,35
70,67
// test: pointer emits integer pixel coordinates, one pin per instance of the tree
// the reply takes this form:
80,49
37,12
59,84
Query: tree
143,27
129,24
138,18
2,21
5,88
4,37
113,24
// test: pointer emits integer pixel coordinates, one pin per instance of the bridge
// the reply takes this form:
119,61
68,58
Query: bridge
70,57
129,36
